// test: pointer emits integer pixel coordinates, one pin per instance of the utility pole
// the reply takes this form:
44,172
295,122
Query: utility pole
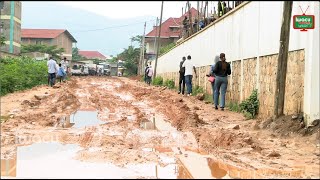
190,19
143,39
198,15
140,60
282,59
182,12
155,37
158,42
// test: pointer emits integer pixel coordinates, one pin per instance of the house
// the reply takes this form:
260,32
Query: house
59,37
10,26
92,55
171,30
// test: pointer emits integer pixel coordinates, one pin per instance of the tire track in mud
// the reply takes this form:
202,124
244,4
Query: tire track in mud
123,104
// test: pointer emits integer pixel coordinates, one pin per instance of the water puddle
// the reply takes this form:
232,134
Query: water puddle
193,165
55,160
81,119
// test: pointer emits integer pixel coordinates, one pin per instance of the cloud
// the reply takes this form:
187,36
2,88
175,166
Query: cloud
130,9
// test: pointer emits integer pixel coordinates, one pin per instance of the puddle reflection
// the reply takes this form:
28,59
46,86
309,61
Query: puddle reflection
55,160
83,119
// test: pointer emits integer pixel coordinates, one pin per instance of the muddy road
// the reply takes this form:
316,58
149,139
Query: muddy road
109,127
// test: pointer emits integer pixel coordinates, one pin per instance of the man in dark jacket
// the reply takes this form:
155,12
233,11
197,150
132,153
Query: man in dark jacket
181,76
146,73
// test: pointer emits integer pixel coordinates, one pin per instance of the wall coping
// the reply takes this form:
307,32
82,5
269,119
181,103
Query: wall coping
208,26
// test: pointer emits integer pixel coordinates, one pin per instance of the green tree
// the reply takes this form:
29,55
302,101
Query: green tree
75,55
52,50
131,56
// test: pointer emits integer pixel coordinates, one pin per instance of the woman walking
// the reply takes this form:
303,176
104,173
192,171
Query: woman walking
221,70
212,76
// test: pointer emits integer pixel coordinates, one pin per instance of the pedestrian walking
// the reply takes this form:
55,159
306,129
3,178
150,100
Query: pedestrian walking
212,76
188,65
149,74
61,75
221,70
52,69
146,74
181,76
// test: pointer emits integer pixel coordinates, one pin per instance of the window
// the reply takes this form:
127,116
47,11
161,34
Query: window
38,42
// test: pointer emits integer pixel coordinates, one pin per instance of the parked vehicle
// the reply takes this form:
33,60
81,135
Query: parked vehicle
100,70
80,70
106,68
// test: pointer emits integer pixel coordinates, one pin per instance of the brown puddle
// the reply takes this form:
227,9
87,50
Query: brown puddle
194,166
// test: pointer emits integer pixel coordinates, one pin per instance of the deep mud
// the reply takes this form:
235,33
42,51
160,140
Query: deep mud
183,125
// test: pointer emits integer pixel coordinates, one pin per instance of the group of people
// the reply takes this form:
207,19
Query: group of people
218,77
58,71
223,8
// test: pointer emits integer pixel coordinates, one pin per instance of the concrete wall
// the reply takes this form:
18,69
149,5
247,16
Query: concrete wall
249,35
11,20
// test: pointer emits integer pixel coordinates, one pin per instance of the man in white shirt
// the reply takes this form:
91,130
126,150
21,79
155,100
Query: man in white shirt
52,69
188,65
64,64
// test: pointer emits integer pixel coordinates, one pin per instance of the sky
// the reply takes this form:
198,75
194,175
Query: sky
127,9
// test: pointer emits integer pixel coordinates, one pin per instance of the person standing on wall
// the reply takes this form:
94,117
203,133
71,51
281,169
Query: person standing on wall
221,70
181,76
188,65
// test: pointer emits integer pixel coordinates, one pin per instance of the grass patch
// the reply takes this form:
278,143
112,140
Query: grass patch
169,83
158,81
4,118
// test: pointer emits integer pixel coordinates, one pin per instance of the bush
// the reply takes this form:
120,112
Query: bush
250,106
158,81
197,90
142,78
234,107
21,73
169,84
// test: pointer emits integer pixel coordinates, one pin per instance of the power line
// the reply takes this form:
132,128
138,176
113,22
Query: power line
100,29
110,27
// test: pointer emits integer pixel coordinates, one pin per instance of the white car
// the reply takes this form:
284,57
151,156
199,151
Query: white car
80,70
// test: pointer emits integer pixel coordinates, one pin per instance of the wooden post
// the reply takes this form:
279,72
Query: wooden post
190,20
158,43
143,39
282,59
198,16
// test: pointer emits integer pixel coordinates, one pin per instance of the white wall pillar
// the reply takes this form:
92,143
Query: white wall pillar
311,83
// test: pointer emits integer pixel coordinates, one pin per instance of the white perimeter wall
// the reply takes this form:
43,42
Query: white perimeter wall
253,31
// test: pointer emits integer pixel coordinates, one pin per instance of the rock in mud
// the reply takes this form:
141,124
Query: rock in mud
56,86
196,108
302,125
40,97
25,102
294,117
248,140
316,122
274,154
234,126
200,97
